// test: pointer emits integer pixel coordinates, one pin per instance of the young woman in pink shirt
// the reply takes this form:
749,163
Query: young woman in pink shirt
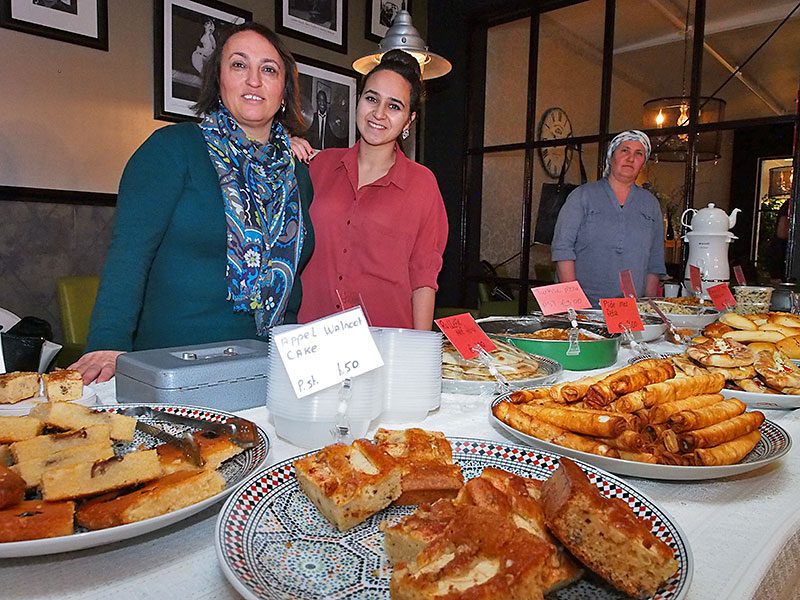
379,218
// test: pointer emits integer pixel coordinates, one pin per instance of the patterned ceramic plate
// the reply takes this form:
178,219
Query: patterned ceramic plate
775,442
234,470
274,544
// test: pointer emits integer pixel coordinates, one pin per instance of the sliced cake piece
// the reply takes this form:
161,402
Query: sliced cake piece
17,386
427,461
604,533
15,429
36,519
164,495
69,416
348,484
90,478
43,446
12,487
214,448
404,540
63,385
31,470
478,557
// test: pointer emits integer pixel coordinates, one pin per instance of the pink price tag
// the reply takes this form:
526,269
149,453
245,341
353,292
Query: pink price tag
626,284
721,296
560,297
694,278
739,274
465,334
621,315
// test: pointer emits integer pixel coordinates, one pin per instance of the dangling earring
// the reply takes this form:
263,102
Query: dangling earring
283,106
405,133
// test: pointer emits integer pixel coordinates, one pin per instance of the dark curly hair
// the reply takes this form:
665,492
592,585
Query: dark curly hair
291,116
405,65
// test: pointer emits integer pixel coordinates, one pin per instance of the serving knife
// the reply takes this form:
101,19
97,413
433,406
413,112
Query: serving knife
240,431
183,442
672,333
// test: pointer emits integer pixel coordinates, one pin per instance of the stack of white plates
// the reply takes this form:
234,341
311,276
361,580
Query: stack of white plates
308,422
411,376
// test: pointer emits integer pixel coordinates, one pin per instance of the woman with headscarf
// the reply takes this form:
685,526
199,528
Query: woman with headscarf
211,229
612,225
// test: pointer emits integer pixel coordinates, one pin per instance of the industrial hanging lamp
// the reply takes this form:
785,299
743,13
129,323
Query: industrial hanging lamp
402,35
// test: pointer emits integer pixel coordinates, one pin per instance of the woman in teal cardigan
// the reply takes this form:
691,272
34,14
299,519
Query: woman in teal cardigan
212,228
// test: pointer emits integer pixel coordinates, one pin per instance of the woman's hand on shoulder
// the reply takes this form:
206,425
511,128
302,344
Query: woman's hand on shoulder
97,366
301,149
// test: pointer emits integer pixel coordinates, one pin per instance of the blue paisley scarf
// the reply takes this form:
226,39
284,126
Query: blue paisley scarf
262,211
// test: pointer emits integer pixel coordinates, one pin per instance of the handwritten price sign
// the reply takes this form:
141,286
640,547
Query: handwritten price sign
721,296
560,297
464,333
694,278
621,315
626,284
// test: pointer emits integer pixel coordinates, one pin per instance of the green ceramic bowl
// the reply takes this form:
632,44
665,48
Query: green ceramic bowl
594,354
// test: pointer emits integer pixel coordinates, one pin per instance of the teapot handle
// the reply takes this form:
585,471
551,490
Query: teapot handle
683,217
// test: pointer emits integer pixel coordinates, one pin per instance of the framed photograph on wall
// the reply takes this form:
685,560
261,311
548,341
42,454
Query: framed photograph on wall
380,14
185,35
83,22
319,22
328,96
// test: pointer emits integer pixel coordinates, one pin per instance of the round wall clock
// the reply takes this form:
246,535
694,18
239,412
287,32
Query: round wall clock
555,125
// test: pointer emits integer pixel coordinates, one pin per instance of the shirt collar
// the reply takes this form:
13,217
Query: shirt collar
397,175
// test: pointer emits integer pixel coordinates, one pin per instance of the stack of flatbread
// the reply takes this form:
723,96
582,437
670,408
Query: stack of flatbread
641,413
767,371
514,364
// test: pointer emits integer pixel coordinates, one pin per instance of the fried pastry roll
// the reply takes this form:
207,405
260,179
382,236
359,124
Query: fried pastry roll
662,412
643,457
698,418
537,396
629,441
605,391
720,433
648,371
728,453
670,390
514,416
572,391
578,421
673,458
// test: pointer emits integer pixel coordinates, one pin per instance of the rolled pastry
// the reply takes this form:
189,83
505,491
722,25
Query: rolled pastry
578,421
537,395
662,412
698,418
669,391
512,415
728,453
630,441
720,433
627,379
644,457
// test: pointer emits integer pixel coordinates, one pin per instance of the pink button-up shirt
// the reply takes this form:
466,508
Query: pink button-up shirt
374,245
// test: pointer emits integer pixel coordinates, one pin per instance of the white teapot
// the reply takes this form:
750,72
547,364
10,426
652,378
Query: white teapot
710,220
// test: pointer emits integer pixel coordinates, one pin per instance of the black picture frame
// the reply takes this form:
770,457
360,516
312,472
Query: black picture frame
180,46
378,14
81,22
340,84
319,22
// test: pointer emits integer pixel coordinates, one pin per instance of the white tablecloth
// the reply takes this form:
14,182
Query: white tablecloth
744,532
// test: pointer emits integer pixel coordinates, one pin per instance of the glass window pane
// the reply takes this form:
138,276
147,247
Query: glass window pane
734,29
507,49
543,215
570,67
501,209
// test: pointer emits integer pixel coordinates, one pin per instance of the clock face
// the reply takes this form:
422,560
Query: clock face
555,125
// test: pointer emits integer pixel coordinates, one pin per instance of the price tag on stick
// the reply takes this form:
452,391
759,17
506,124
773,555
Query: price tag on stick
721,296
560,297
328,351
739,274
694,279
621,315
465,334
626,284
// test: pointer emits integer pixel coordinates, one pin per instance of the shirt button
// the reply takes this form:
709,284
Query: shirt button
340,277
345,250
337,306
348,221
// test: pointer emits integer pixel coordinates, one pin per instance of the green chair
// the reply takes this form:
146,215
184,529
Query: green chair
76,296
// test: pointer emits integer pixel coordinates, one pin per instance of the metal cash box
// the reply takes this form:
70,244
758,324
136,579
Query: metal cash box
223,375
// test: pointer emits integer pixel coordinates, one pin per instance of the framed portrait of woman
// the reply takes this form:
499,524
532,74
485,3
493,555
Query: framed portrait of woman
186,33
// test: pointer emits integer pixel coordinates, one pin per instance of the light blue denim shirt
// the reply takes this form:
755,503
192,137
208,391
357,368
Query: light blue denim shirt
604,238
